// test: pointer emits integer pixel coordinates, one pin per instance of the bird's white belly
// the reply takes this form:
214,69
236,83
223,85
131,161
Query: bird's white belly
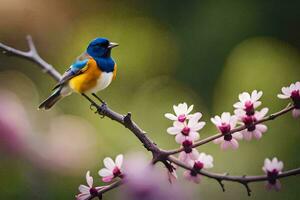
103,81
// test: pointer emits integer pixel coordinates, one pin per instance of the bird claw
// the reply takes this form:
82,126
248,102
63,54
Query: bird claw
93,106
101,110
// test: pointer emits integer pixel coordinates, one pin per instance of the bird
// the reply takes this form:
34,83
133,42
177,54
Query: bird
91,72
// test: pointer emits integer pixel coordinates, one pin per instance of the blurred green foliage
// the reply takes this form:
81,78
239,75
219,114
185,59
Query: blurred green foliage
202,52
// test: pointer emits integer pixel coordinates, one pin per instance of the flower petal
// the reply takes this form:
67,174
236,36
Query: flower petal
282,96
109,163
108,178
296,113
173,130
89,179
198,126
234,144
225,145
119,161
105,172
261,127
82,196
180,138
84,189
189,109
194,136
170,116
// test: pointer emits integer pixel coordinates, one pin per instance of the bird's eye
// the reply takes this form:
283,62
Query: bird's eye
104,44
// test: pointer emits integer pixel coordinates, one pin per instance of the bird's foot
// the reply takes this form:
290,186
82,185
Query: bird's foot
101,110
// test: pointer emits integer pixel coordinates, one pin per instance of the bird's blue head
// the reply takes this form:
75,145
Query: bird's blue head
100,48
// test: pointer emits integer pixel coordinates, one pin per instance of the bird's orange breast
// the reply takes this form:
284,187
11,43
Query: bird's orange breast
88,79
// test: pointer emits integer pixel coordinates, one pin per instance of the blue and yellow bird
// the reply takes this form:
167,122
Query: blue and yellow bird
92,71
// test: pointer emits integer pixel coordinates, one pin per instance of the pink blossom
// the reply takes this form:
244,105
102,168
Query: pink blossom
187,131
112,170
249,102
225,124
203,161
181,112
88,191
189,153
229,141
293,92
252,130
272,168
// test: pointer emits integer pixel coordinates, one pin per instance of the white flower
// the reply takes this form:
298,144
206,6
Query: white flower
249,102
225,123
293,92
273,165
272,169
181,112
252,130
187,131
288,92
88,191
112,170
203,161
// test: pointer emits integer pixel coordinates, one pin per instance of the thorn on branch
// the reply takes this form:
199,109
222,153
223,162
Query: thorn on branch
127,120
221,184
247,188
99,196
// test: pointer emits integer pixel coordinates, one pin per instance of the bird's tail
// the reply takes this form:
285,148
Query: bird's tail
51,100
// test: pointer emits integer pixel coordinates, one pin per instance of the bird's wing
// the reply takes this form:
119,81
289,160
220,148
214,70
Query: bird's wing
78,67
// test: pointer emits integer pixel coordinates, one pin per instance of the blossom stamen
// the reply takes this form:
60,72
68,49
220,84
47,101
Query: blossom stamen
185,131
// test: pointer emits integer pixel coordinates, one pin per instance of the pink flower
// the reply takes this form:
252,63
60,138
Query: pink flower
252,130
112,170
229,141
203,161
181,112
293,92
272,169
88,191
225,124
249,102
187,131
189,153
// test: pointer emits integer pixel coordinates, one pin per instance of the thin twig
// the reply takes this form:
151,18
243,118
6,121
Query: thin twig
108,188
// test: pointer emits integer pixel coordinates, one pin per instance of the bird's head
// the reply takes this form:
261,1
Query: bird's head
100,47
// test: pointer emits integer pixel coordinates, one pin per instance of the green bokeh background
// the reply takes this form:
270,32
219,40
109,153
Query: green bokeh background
200,52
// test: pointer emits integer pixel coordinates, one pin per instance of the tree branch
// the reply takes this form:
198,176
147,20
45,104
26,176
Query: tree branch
244,180
108,188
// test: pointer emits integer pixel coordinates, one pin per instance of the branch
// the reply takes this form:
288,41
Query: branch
107,188
218,135
244,180
33,56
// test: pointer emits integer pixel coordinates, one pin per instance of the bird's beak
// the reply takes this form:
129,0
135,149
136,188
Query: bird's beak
112,45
